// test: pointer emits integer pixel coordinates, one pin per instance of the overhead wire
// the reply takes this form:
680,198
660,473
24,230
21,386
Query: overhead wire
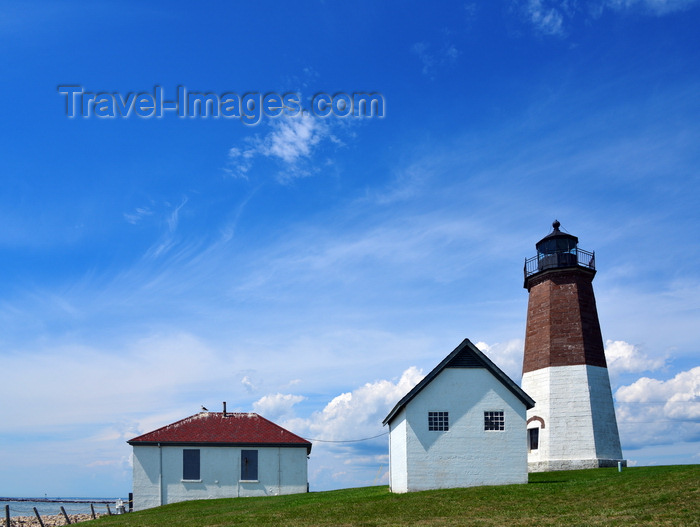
347,440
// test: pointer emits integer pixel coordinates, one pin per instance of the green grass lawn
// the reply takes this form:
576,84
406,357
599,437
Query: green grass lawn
637,496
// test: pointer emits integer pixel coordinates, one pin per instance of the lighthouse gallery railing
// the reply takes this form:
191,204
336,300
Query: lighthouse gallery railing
544,261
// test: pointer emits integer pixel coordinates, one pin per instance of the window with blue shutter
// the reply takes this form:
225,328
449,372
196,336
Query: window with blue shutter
190,464
249,465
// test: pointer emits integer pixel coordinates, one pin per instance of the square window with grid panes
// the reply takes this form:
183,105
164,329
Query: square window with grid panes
438,422
494,421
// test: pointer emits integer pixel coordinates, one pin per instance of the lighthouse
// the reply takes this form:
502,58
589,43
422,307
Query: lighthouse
572,425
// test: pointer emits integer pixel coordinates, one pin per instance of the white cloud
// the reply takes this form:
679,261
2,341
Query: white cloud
340,433
248,384
277,406
651,411
624,357
684,387
292,141
507,355
359,414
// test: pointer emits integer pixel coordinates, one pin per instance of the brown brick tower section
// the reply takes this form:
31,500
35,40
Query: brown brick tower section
562,320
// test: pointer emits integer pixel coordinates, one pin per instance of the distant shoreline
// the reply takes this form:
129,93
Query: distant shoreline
52,520
25,507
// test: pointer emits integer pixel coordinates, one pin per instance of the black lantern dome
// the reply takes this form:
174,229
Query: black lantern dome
558,250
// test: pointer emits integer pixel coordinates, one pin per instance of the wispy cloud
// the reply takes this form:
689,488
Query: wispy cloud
555,17
139,214
421,49
168,238
548,18
432,58
292,142
179,360
652,6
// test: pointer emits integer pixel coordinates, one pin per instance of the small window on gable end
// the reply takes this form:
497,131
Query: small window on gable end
249,465
533,438
494,421
190,464
438,421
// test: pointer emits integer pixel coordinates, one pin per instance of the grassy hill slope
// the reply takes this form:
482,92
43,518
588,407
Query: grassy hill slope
638,496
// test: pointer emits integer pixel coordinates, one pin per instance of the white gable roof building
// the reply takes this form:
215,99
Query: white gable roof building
463,425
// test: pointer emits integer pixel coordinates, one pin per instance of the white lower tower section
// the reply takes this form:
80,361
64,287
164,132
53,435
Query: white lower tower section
575,416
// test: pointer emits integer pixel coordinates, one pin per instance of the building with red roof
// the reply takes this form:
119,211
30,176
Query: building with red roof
217,455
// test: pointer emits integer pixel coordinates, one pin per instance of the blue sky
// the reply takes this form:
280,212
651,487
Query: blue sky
313,269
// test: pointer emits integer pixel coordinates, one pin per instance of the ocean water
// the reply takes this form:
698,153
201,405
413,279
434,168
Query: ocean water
52,506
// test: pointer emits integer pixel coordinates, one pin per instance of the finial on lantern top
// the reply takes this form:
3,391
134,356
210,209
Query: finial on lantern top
556,225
